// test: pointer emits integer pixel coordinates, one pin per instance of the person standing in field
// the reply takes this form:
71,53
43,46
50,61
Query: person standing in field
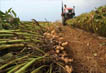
64,14
67,13
65,10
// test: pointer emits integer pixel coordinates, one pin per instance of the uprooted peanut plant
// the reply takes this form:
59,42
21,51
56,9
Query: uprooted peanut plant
31,49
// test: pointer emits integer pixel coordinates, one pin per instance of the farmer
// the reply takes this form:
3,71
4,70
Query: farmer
65,10
64,14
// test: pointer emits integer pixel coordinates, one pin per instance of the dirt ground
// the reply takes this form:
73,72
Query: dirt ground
87,49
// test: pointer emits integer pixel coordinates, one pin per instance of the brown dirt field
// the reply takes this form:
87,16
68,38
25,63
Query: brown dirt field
87,49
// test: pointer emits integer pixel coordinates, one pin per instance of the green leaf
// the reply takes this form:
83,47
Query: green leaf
14,13
9,10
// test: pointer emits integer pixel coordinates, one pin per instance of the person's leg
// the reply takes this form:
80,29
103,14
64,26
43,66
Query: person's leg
63,20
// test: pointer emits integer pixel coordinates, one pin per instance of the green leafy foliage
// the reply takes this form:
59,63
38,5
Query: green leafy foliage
8,20
14,13
95,21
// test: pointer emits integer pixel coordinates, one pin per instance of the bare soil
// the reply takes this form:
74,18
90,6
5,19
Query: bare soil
87,49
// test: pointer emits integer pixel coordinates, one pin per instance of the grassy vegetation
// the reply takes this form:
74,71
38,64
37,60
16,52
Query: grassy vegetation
94,21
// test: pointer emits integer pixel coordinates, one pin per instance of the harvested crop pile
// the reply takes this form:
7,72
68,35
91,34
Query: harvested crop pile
29,55
30,48
95,21
33,54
